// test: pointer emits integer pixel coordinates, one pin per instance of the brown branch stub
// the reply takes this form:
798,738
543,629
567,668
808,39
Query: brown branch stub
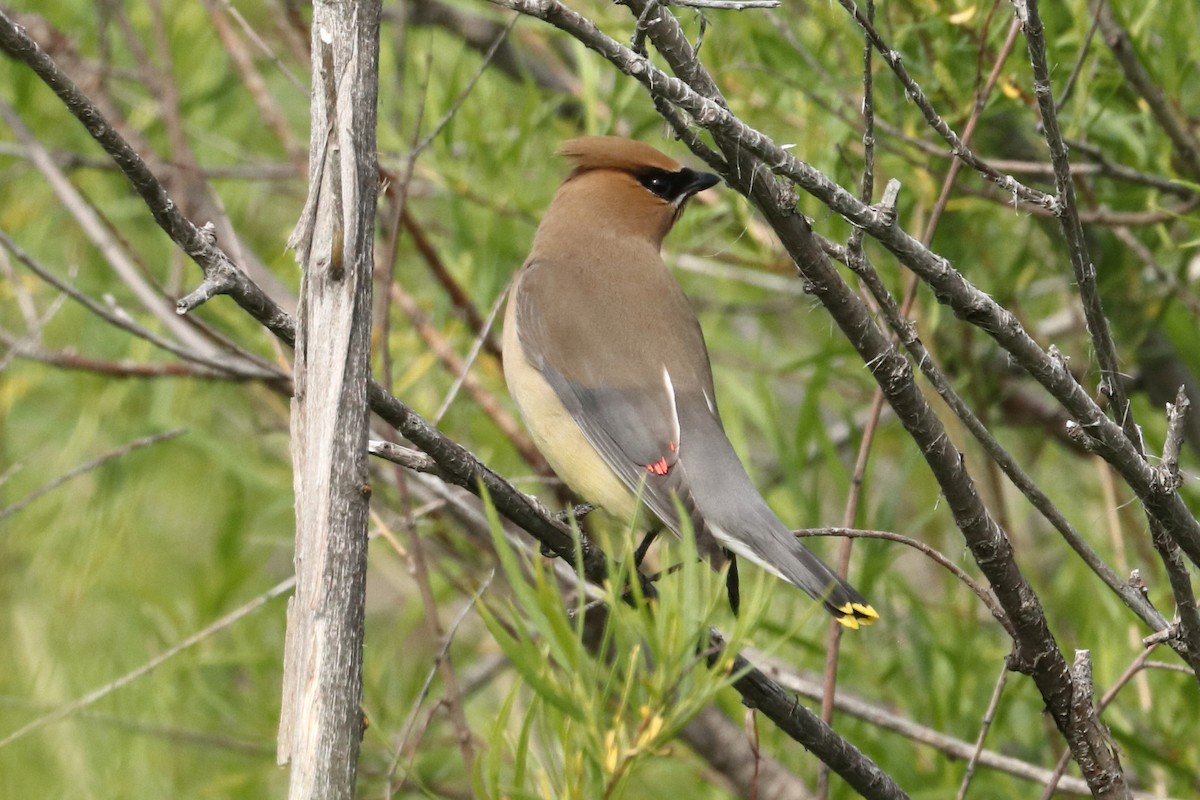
220,278
1170,478
404,456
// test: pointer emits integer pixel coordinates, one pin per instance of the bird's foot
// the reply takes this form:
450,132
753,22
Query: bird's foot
575,515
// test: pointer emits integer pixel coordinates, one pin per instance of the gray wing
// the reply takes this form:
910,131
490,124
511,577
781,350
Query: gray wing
642,445
661,434
634,428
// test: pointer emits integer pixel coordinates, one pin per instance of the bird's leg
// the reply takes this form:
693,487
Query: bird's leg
732,586
640,553
570,517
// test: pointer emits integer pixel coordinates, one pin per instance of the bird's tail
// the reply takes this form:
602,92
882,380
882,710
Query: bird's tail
770,545
736,516
840,599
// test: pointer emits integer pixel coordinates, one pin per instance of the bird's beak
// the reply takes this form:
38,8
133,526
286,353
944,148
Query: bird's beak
699,182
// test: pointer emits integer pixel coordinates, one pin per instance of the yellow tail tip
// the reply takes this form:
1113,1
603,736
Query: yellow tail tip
855,614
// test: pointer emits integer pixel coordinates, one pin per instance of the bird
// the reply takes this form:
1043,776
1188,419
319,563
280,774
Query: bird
607,364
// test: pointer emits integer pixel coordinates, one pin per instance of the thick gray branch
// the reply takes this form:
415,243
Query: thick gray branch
321,722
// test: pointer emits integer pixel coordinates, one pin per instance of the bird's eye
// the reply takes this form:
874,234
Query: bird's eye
659,183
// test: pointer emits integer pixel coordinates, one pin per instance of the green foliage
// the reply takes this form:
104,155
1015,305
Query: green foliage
607,685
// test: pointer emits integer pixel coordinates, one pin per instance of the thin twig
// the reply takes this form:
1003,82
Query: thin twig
88,466
986,597
725,5
123,368
453,697
986,725
1186,145
833,635
442,654
1184,294
398,194
1098,164
465,92
251,34
1068,87
917,96
66,710
481,338
1100,215
1111,381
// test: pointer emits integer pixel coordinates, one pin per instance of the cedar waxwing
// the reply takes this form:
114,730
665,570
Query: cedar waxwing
607,364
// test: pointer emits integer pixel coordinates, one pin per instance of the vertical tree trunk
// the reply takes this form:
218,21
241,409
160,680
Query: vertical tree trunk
321,722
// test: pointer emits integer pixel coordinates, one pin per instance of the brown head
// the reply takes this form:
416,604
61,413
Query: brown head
627,185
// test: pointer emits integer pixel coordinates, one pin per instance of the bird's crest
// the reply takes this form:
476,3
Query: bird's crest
612,152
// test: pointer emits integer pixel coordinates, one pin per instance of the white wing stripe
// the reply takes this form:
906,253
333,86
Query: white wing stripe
674,408
739,548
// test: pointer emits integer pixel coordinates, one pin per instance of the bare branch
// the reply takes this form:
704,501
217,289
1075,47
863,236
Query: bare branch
1111,383
221,275
914,93
1037,498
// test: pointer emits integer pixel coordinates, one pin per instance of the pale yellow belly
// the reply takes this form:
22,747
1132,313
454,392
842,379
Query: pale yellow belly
557,435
